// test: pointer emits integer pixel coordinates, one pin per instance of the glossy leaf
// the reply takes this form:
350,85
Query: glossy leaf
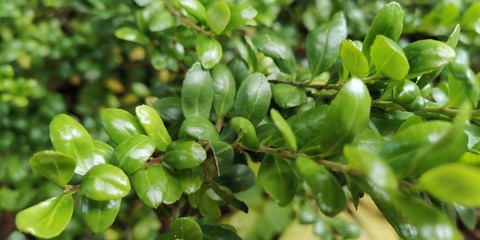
308,125
276,48
131,35
253,98
353,59
209,51
190,179
186,229
218,16
105,182
471,16
184,154
46,219
153,125
223,90
100,215
102,152
285,130
223,155
238,177
323,44
229,198
278,179
155,185
454,182
322,184
246,132
347,116
462,85
388,58
197,92
388,22
425,56
57,167
70,137
241,13
287,96
199,128
195,9
120,124
131,154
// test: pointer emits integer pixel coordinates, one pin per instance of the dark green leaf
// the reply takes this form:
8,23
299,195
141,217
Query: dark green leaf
223,155
169,108
238,178
246,132
425,56
209,51
153,125
253,98
155,185
388,58
223,90
100,215
308,213
285,130
57,167
190,179
105,182
308,125
120,124
131,154
184,154
70,137
186,229
326,190
287,96
353,59
199,128
197,92
323,44
218,16
229,198
216,231
278,50
48,218
278,179
468,215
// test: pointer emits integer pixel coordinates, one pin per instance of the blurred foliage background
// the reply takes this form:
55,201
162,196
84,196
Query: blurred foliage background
80,56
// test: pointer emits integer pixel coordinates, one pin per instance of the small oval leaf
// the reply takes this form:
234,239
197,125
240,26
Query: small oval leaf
131,154
197,92
285,130
120,124
425,56
186,229
277,178
253,98
198,128
353,59
388,58
218,16
209,51
153,125
246,132
278,50
105,182
57,167
184,154
99,215
287,96
194,8
223,90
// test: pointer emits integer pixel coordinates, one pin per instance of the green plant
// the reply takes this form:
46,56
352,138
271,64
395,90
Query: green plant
389,117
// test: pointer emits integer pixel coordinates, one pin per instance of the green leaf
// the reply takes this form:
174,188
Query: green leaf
388,58
470,18
195,9
198,128
184,154
388,22
287,96
278,50
241,13
217,231
223,90
120,124
105,182
253,98
426,56
353,59
153,125
131,35
218,16
369,140
238,177
308,125
462,85
100,215
224,155
347,116
155,185
186,229
57,167
131,154
190,179
48,218
322,184
102,152
246,132
277,178
285,130
208,206
468,215
323,44
209,51
229,198
169,108
455,182
197,92
70,137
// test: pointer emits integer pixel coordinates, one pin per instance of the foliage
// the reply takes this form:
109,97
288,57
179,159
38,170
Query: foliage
315,110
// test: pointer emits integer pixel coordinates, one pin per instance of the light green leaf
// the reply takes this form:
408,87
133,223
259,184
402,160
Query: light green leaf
197,92
253,98
470,18
155,185
388,58
105,182
186,229
278,179
102,152
57,167
287,96
70,137
223,90
245,131
195,9
131,154
131,35
285,130
209,51
48,218
120,124
462,85
241,13
425,56
99,215
353,59
278,50
218,16
153,125
184,154
198,128
323,44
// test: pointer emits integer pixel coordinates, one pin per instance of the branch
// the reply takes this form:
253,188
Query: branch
187,22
